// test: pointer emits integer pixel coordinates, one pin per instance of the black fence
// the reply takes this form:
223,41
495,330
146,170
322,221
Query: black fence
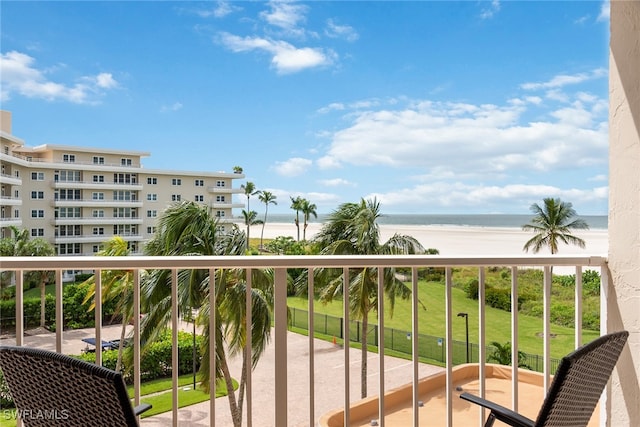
429,346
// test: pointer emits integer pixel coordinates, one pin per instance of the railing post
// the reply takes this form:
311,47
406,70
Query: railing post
59,312
280,324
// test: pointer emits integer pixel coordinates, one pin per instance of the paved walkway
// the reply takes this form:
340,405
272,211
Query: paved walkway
329,379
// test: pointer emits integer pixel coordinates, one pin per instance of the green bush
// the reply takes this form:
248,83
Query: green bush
498,298
6,401
471,289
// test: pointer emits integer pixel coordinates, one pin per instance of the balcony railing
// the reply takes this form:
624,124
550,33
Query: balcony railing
282,402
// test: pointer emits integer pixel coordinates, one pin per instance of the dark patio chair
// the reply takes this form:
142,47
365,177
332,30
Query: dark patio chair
575,390
50,388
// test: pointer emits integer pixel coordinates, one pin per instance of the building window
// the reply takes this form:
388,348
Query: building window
152,197
37,176
124,195
37,213
152,181
97,196
176,181
67,213
67,194
37,232
125,162
199,182
69,249
176,197
98,178
98,231
68,230
37,194
68,158
124,178
97,213
220,199
199,198
98,160
220,184
152,213
151,230
96,249
220,214
67,176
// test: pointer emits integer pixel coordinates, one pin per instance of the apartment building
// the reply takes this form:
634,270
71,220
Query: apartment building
79,197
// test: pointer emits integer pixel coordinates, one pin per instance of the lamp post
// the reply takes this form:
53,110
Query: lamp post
466,321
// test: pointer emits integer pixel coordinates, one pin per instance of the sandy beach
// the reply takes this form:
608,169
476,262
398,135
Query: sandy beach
462,240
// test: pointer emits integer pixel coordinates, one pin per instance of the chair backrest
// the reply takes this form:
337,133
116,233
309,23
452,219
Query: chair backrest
579,381
50,388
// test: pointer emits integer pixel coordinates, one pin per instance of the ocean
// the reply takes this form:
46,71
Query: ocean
484,220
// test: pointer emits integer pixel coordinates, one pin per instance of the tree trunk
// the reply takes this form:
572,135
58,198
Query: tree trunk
243,381
120,346
236,414
363,370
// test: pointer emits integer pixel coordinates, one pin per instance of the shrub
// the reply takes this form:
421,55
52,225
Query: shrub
471,289
6,401
498,298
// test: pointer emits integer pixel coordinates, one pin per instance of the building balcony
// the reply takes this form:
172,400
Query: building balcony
224,190
98,203
301,387
8,222
95,238
90,220
11,180
10,201
226,205
103,186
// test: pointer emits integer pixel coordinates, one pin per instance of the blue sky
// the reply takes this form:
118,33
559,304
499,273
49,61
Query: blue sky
431,107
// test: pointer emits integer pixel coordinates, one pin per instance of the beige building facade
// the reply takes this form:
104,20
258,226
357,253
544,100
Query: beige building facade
79,197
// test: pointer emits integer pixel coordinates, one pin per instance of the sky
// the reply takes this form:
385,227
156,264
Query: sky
470,107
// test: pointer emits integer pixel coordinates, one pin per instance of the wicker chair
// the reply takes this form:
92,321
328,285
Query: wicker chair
50,388
576,388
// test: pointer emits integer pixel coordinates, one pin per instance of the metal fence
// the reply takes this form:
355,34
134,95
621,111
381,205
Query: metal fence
429,346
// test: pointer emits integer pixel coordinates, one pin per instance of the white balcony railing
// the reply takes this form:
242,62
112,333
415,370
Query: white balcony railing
281,400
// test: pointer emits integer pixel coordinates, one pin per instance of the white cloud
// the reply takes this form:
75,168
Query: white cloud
605,11
292,167
19,75
221,9
173,107
286,58
346,32
336,182
490,10
562,80
286,16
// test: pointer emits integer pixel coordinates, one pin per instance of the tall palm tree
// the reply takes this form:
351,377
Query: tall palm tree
250,218
307,209
352,230
552,223
249,190
296,205
268,198
190,229
116,284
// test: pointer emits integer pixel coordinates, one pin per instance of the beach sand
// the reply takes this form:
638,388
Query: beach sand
462,240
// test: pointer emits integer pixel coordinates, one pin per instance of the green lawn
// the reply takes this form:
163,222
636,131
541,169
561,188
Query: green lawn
432,320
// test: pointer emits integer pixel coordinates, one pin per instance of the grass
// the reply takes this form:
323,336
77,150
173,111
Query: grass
156,392
432,320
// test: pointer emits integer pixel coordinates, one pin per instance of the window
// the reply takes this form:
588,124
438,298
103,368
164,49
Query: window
124,195
98,231
125,178
67,213
199,198
125,230
69,158
97,196
98,178
220,184
96,249
220,214
37,194
151,230
67,176
199,182
220,199
37,232
124,213
37,213
176,197
69,249
152,181
97,213
125,162
37,176
67,194
176,181
68,230
152,197
152,213
98,160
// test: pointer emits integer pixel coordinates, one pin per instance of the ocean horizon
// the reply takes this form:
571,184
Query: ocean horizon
462,220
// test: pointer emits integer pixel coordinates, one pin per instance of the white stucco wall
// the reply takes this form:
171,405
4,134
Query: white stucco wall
623,298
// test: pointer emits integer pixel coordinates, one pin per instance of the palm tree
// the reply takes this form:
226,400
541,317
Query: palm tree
552,223
296,205
190,229
266,197
352,230
250,218
116,284
501,354
307,209
249,190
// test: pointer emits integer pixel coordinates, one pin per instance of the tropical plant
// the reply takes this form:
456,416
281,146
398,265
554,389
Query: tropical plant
268,198
501,354
296,205
21,245
116,285
237,169
553,223
307,209
249,190
250,218
352,230
190,229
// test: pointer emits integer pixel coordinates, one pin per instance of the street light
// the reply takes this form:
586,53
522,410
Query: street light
466,321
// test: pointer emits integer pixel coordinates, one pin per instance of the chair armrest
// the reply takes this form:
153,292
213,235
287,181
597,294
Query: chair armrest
141,408
501,413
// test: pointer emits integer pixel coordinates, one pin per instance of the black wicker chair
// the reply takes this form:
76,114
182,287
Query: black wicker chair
576,388
53,389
